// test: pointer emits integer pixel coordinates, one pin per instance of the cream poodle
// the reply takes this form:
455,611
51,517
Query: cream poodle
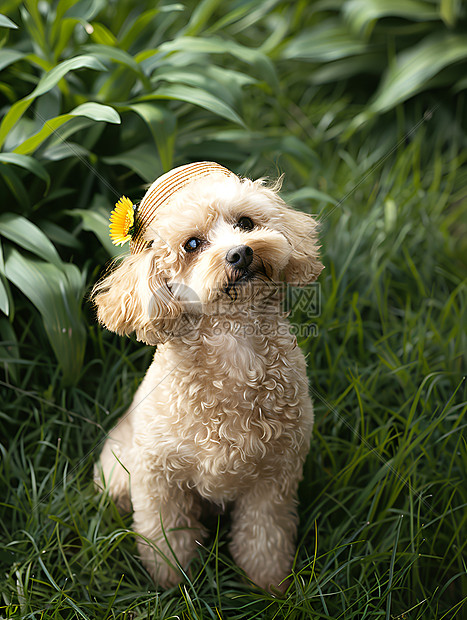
223,415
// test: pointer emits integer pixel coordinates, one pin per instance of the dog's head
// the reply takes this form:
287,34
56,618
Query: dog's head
219,241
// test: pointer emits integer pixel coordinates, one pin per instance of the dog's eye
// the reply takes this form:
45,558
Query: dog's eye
192,244
245,223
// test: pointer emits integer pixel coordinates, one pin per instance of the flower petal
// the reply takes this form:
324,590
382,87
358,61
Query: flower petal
121,221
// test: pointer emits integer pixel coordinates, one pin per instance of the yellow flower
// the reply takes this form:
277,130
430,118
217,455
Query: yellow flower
122,221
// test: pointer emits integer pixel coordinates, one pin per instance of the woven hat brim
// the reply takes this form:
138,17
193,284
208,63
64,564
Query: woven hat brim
162,190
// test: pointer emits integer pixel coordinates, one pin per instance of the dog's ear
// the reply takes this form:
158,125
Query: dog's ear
300,230
134,297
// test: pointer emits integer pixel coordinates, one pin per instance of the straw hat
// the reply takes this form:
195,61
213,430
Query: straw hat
129,223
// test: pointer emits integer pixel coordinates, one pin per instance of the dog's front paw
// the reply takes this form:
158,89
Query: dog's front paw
271,579
163,574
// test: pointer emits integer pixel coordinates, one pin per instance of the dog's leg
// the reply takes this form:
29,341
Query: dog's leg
112,469
263,533
167,518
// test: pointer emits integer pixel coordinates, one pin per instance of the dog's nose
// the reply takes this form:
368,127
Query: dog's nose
240,257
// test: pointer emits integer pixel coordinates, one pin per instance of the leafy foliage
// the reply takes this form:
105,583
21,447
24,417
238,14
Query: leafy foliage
360,103
166,90
393,49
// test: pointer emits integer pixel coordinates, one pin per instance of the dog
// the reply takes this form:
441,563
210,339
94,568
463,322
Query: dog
223,415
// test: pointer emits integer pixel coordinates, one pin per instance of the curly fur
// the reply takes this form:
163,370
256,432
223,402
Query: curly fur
223,414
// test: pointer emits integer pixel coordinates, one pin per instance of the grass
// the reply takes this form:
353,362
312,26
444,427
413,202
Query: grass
383,501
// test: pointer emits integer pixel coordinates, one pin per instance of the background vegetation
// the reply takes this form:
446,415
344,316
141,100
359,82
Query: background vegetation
362,104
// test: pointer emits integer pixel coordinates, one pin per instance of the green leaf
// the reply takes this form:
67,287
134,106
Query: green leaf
200,16
53,77
57,294
46,83
224,84
29,163
26,234
216,45
161,123
102,35
239,143
85,10
62,148
98,112
61,35
8,57
6,22
451,11
460,85
9,349
98,224
412,71
114,54
5,294
12,117
328,41
94,111
61,8
60,236
198,97
4,299
340,70
309,193
16,186
134,28
360,13
143,160
67,130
